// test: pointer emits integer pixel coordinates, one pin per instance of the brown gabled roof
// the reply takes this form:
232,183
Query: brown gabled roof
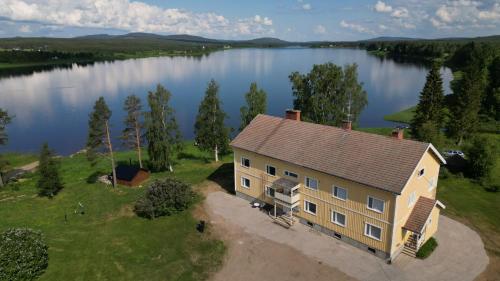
419,214
378,161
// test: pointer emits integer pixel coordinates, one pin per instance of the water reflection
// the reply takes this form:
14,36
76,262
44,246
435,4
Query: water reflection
53,105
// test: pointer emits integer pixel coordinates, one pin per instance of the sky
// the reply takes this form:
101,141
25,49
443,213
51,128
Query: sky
293,20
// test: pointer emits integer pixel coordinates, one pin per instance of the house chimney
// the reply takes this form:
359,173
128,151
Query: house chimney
398,133
347,125
292,114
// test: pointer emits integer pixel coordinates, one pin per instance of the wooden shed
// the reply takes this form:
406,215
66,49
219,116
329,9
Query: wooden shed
131,175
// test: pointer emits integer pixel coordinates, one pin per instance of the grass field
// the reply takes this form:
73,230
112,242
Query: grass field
17,159
403,116
109,242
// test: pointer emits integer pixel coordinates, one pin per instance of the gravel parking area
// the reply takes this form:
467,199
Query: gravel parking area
300,253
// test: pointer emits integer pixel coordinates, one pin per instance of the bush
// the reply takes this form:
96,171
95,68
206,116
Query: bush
23,254
164,198
427,249
481,157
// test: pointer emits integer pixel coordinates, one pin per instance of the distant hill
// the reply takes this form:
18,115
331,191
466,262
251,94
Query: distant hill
389,38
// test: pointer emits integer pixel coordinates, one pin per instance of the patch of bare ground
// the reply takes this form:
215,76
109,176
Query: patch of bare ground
492,272
251,257
125,211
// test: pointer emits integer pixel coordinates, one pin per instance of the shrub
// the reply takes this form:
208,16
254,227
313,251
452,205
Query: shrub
23,254
481,153
427,249
164,198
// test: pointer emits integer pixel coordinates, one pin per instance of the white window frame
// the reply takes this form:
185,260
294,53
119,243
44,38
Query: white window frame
275,170
412,198
333,218
310,178
287,173
369,234
432,183
249,162
243,183
335,196
306,209
372,209
267,188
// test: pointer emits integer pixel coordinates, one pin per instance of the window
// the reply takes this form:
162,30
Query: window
338,218
271,170
338,236
432,183
291,174
412,199
245,182
375,204
421,172
245,162
372,231
370,249
340,193
310,207
311,183
269,191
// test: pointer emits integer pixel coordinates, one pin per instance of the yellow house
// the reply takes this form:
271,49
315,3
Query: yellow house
374,192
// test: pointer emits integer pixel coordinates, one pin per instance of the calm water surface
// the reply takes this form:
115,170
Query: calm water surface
53,105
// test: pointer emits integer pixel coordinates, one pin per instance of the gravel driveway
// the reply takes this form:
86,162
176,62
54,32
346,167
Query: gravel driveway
459,256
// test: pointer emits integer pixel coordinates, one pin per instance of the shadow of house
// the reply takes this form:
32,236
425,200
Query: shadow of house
131,175
224,176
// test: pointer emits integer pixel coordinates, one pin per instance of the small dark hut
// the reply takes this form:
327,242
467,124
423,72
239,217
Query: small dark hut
131,175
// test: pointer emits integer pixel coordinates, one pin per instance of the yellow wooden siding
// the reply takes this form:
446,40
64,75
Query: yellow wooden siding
419,185
355,207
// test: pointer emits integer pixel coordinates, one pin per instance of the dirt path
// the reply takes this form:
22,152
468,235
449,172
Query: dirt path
251,257
29,167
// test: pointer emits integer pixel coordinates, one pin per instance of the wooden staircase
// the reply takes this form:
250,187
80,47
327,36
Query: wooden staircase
410,247
284,221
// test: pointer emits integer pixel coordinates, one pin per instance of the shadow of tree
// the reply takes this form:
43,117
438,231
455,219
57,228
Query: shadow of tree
190,156
224,176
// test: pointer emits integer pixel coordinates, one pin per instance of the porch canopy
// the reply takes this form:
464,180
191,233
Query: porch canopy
285,186
420,214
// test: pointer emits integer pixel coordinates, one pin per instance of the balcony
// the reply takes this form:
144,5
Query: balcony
286,192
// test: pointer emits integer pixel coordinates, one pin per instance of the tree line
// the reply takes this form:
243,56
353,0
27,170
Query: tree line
475,101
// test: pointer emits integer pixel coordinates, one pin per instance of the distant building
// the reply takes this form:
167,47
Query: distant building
375,192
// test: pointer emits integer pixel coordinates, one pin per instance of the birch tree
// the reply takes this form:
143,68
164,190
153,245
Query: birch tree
256,104
5,119
99,137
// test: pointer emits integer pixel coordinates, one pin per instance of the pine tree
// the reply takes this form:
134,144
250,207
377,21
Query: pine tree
256,104
430,109
132,133
99,137
491,102
49,183
5,119
465,107
209,129
162,131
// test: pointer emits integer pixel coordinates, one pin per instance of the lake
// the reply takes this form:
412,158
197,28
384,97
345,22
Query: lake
53,105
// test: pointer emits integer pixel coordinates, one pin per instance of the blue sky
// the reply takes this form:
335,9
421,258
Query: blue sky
295,20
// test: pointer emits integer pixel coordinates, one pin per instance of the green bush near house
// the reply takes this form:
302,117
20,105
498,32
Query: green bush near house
427,249
164,198
23,254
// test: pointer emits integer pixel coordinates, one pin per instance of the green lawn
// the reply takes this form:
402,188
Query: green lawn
17,159
109,242
403,116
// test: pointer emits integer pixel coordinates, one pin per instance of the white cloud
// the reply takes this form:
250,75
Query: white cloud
129,15
319,29
355,27
25,29
400,12
382,7
307,6
466,13
264,20
382,27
